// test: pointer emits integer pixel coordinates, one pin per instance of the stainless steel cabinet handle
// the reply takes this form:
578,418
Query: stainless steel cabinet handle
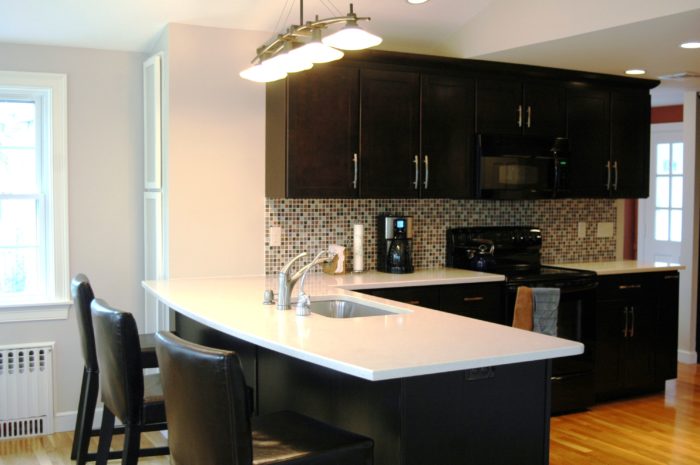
632,329
529,116
426,163
624,331
355,164
607,185
671,276
473,299
520,116
415,178
629,286
615,182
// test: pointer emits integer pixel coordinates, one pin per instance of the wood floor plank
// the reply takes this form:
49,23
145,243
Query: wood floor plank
662,429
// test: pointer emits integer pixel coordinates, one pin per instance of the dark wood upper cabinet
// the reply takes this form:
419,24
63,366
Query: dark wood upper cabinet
588,128
609,143
318,155
630,122
512,108
389,134
447,137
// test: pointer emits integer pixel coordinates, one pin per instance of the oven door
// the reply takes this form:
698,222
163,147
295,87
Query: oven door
572,377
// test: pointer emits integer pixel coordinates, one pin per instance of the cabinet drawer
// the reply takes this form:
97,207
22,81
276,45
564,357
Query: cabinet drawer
480,301
627,286
423,296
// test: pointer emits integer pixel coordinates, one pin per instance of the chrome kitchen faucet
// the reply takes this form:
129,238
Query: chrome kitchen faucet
287,280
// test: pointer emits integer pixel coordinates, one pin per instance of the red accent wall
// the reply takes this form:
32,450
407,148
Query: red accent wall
669,114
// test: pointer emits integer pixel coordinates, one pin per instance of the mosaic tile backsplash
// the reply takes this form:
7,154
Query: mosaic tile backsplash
310,225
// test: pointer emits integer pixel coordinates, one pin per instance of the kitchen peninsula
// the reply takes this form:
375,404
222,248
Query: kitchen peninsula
429,387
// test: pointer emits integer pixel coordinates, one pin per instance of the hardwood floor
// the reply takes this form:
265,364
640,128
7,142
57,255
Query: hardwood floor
662,429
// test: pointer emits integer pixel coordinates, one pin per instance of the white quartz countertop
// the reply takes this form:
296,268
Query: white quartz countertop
413,341
620,267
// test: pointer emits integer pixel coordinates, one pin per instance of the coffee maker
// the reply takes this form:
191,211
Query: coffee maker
394,244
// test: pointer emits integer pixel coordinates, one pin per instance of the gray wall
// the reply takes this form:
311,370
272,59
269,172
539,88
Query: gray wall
105,179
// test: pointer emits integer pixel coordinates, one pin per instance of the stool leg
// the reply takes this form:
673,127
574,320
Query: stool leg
132,443
106,431
79,420
88,404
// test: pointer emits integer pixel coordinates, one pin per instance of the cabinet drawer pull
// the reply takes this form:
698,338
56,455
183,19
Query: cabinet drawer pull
473,299
426,162
413,302
529,116
671,276
354,178
629,286
520,116
415,177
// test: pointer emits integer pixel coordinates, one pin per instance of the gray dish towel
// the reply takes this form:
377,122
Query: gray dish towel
546,306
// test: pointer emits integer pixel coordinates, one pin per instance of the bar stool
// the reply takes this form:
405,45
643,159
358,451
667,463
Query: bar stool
209,423
82,294
127,394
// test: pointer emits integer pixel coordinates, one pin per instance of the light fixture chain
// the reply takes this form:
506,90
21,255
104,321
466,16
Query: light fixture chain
288,5
334,10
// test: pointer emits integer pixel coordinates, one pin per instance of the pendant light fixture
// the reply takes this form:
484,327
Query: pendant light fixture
302,46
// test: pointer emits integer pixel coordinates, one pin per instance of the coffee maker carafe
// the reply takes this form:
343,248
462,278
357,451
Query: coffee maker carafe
394,244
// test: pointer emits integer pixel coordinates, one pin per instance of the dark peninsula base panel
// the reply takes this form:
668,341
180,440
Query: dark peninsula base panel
495,416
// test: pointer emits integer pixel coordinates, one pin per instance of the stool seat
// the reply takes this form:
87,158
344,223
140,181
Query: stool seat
296,439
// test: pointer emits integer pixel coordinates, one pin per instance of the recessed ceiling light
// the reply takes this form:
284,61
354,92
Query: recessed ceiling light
690,45
416,2
635,72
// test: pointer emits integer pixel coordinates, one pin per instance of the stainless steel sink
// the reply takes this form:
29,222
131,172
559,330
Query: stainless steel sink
341,308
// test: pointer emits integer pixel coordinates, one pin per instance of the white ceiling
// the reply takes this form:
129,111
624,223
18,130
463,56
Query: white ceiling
595,35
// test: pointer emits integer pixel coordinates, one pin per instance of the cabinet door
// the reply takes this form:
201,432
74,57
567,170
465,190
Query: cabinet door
544,110
447,131
610,324
389,134
323,118
630,131
424,296
667,324
499,107
480,301
588,129
639,345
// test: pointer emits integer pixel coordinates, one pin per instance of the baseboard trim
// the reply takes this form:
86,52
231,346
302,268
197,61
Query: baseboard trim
687,357
65,421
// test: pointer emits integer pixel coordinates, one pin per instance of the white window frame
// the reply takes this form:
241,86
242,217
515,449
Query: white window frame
55,160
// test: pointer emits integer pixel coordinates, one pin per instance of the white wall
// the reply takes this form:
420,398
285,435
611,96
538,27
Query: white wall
507,24
104,181
216,153
689,248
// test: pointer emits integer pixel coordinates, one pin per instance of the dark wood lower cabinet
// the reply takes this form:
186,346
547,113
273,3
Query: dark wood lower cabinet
491,416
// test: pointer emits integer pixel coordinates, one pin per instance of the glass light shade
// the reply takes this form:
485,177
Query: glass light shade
289,63
690,45
635,72
263,73
352,37
317,52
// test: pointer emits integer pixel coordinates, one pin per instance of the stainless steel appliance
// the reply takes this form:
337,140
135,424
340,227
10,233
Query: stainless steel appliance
515,253
394,244
522,167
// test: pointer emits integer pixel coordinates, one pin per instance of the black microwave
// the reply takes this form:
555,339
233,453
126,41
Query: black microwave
522,167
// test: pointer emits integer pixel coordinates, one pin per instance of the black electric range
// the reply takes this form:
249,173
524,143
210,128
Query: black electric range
515,251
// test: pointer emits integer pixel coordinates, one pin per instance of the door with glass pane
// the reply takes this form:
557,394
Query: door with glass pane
661,215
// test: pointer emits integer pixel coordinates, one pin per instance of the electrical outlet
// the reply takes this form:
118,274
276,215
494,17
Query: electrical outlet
582,229
604,229
275,236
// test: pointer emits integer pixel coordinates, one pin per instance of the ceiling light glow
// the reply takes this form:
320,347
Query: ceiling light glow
690,45
635,72
416,2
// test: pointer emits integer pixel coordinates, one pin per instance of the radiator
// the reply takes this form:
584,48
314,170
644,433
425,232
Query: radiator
26,390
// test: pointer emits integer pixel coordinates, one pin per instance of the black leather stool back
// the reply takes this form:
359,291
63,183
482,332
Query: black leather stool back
119,356
206,404
82,294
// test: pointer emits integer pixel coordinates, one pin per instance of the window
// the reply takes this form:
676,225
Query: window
668,221
33,197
